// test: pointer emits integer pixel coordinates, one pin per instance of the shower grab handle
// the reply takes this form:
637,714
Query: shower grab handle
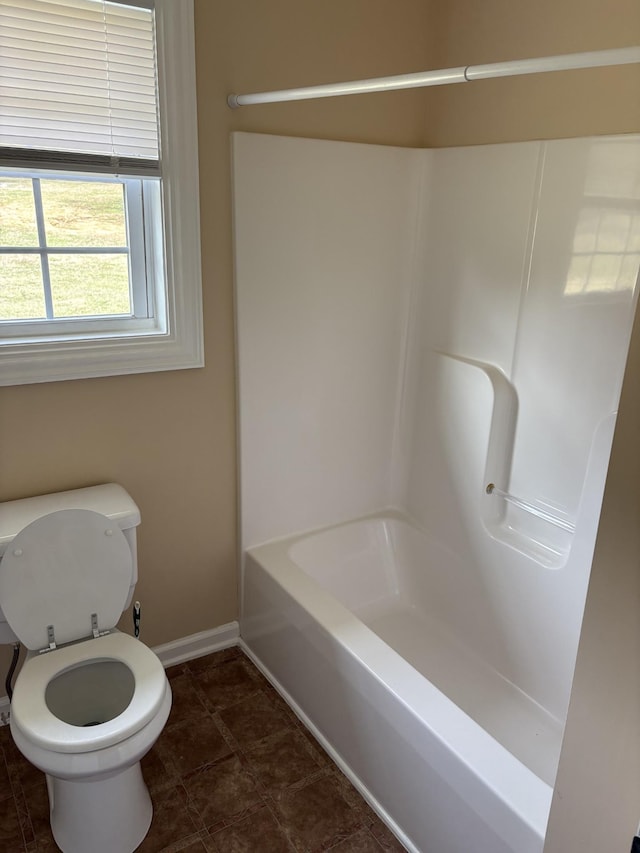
492,489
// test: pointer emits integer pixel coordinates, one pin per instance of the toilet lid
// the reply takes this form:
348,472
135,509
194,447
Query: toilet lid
59,570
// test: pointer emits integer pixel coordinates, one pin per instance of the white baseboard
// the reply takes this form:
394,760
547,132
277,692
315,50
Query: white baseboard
198,645
177,651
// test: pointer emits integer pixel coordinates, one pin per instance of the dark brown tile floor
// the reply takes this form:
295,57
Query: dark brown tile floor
233,772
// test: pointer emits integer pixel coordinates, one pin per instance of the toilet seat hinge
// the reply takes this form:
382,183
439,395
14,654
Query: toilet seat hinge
94,627
51,640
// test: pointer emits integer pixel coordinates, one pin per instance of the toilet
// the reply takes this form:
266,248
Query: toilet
89,701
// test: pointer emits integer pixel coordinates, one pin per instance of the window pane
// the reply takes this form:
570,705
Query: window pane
18,220
89,285
21,291
83,213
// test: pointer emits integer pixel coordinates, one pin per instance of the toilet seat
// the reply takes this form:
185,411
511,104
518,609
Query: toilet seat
29,711
59,571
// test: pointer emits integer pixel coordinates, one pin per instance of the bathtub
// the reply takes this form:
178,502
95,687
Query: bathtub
349,624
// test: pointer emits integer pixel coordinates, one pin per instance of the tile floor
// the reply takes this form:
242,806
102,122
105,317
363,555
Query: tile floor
233,772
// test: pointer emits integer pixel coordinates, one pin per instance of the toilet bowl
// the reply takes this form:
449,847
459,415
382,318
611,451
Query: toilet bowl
90,701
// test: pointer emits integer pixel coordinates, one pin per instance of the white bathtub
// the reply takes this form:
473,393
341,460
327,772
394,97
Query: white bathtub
355,626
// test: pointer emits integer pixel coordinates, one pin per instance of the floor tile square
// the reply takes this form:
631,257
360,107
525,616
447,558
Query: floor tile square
11,840
5,782
24,819
45,845
253,719
155,772
385,838
257,832
317,816
196,846
214,659
226,685
222,792
186,703
282,760
361,842
21,772
37,800
172,820
189,745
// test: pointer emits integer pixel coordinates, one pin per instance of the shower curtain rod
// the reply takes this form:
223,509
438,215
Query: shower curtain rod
441,77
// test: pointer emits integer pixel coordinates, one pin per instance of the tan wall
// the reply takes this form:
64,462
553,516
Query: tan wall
169,438
537,106
596,804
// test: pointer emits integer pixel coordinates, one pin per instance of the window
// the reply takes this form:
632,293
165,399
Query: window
99,232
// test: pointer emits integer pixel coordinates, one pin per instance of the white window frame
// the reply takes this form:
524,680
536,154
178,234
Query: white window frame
174,340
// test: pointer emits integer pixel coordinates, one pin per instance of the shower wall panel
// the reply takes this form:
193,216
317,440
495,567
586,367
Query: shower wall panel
415,325
576,317
324,240
517,352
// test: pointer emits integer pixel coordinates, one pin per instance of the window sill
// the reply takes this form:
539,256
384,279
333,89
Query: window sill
57,360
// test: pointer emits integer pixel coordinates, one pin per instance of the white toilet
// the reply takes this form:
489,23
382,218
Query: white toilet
89,701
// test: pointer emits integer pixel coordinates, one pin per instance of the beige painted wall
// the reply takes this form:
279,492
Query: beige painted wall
596,804
537,106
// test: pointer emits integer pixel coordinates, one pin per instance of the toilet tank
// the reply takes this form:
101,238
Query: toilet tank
109,499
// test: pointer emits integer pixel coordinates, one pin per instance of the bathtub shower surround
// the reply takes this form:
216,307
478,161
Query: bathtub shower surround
453,756
431,347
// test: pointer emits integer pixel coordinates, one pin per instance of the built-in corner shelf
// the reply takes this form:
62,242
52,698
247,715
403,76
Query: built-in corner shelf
537,511
533,527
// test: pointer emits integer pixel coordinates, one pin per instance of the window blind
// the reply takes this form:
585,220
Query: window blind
78,86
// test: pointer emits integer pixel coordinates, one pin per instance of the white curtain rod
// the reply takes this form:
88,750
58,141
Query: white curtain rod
462,74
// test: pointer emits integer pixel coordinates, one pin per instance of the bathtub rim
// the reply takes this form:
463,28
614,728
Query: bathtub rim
503,775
